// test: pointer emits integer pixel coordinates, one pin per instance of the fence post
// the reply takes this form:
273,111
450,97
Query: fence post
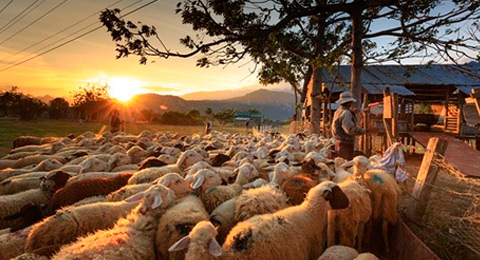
425,178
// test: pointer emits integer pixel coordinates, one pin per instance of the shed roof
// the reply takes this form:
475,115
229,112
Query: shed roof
376,78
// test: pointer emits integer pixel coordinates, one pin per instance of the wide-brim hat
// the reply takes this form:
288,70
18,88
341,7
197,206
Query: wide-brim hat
345,97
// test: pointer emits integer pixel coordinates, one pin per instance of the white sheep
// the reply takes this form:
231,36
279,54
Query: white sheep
73,222
385,194
340,173
118,159
137,154
350,223
168,159
127,191
93,164
177,223
11,204
131,237
215,196
303,226
13,244
366,256
201,243
185,160
176,183
339,253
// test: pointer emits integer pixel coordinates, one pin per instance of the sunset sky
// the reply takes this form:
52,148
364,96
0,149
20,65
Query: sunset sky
92,58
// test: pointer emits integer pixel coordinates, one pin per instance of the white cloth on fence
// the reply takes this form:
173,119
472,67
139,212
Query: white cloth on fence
393,161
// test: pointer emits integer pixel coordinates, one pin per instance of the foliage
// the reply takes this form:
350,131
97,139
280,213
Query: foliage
58,108
15,103
208,111
194,114
176,118
147,114
226,115
90,93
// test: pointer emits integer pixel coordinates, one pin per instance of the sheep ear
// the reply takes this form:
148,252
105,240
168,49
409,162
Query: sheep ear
269,168
135,197
336,197
157,201
347,164
60,178
87,165
198,183
180,244
214,248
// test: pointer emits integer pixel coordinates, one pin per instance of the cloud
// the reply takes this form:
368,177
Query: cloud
159,89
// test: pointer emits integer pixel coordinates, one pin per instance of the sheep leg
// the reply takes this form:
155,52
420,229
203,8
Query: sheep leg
359,237
385,235
331,228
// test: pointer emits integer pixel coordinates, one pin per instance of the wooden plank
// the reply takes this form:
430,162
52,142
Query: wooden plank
387,107
476,95
427,174
395,117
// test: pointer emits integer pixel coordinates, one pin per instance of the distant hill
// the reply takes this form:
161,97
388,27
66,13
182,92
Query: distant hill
274,105
46,98
233,93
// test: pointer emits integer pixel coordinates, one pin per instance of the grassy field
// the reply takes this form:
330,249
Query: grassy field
11,129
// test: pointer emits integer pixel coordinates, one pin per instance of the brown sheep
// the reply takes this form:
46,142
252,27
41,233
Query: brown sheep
87,188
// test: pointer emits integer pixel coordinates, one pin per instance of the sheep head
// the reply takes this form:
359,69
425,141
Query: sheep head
93,165
203,233
54,180
327,191
205,179
137,154
188,158
118,159
50,164
176,183
155,197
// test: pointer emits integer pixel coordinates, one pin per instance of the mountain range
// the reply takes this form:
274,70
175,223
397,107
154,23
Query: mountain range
274,105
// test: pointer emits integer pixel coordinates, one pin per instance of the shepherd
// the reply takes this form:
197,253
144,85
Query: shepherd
344,127
115,121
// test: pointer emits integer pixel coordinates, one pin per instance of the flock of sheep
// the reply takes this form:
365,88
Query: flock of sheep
166,196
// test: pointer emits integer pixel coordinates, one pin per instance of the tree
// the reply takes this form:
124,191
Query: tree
226,115
9,100
30,108
147,114
90,99
208,112
231,30
58,108
194,113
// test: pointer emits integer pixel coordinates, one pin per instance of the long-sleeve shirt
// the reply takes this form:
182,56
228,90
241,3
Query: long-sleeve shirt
344,127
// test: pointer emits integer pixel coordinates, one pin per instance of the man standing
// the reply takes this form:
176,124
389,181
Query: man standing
115,122
344,127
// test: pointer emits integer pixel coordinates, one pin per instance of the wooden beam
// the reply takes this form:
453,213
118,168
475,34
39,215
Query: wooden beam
427,174
476,95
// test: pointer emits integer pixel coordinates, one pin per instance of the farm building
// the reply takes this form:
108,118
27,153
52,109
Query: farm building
242,117
430,97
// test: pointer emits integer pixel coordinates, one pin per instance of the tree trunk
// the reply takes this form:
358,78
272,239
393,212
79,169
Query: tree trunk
357,56
317,75
316,103
306,80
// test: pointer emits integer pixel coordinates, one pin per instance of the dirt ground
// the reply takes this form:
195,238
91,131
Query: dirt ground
450,200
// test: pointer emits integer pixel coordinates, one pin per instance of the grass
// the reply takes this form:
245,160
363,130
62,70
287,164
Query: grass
11,129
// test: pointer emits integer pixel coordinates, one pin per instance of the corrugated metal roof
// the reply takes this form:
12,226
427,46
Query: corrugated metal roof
377,77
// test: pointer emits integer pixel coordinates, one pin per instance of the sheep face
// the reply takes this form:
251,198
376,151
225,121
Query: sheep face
86,142
156,197
327,191
51,164
54,180
88,134
168,159
94,165
137,154
118,159
206,179
203,233
175,182
57,146
188,158
199,166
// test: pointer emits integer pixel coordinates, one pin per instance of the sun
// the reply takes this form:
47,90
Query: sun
124,89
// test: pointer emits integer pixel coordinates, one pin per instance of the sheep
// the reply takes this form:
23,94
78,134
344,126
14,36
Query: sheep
28,215
151,162
13,244
176,223
137,154
87,188
30,256
92,175
350,223
385,194
176,183
252,202
18,184
340,173
118,159
26,140
198,240
127,191
11,204
167,158
93,164
215,196
73,222
296,188
198,166
19,155
263,236
339,253
36,159
219,159
47,165
185,160
6,163
131,237
366,256
255,184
